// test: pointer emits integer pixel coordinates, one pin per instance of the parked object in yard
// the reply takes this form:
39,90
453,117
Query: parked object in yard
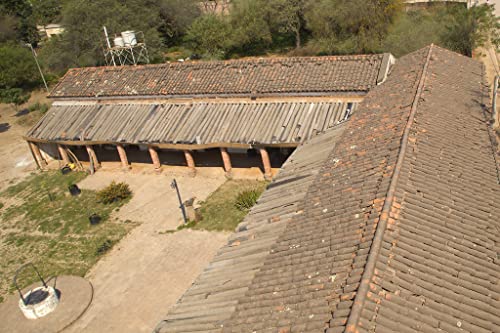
95,219
65,170
74,190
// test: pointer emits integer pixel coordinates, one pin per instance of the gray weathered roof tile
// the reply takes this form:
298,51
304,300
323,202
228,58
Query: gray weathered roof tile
398,230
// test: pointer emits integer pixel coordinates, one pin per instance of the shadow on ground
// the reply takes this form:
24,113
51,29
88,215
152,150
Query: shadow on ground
21,113
4,127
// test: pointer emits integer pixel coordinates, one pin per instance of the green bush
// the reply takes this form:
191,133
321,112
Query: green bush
42,107
246,199
114,192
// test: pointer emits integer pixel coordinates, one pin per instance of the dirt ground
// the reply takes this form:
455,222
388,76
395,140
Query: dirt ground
16,162
144,275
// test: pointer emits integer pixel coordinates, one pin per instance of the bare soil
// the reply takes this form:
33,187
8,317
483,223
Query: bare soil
16,161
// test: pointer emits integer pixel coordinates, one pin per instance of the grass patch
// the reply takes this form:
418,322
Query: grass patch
220,211
42,223
32,114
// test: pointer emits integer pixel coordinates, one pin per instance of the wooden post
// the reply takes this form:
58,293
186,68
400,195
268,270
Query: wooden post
40,161
63,153
496,116
123,157
155,158
92,156
226,159
266,163
190,162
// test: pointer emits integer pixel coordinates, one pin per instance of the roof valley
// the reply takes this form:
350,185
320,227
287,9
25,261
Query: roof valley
385,216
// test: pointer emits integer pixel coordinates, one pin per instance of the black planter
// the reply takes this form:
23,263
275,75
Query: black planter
74,190
65,170
94,219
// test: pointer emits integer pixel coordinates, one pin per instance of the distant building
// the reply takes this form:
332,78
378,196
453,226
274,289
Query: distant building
215,6
50,30
411,3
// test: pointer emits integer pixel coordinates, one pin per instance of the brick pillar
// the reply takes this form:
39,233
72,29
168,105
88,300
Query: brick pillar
226,159
266,163
40,161
123,157
63,153
190,162
155,158
93,156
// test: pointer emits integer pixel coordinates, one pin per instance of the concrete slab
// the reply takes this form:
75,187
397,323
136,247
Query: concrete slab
76,295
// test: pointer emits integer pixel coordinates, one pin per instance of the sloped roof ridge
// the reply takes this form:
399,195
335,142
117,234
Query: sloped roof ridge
235,61
369,269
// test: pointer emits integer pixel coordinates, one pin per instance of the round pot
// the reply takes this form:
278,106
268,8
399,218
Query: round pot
74,190
65,170
94,219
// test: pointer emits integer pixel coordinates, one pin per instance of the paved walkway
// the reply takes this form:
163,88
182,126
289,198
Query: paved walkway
145,274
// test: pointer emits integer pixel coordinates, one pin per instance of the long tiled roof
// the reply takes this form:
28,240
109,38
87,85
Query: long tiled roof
399,230
267,76
193,123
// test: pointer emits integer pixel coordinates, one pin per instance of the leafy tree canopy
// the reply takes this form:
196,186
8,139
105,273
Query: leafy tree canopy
18,15
17,67
210,35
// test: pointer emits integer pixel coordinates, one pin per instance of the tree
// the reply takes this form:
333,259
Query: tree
176,16
21,10
413,30
290,15
46,11
82,42
18,74
472,28
17,67
354,26
250,26
14,96
210,35
8,26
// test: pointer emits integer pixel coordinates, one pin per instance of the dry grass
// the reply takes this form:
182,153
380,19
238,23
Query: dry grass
42,223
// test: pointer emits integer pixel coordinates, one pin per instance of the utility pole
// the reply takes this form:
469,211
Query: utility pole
33,52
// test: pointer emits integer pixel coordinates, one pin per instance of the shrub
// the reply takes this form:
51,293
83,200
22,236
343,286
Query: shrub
42,107
246,199
104,247
114,192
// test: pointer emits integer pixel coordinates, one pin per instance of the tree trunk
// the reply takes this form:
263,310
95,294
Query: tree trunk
298,41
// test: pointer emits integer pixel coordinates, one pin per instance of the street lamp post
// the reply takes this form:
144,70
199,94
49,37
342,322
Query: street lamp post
181,204
38,65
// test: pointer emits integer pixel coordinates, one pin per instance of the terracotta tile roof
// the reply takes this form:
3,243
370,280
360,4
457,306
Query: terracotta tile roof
267,76
193,123
398,232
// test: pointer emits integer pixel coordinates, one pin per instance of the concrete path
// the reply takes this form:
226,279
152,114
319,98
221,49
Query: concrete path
145,274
